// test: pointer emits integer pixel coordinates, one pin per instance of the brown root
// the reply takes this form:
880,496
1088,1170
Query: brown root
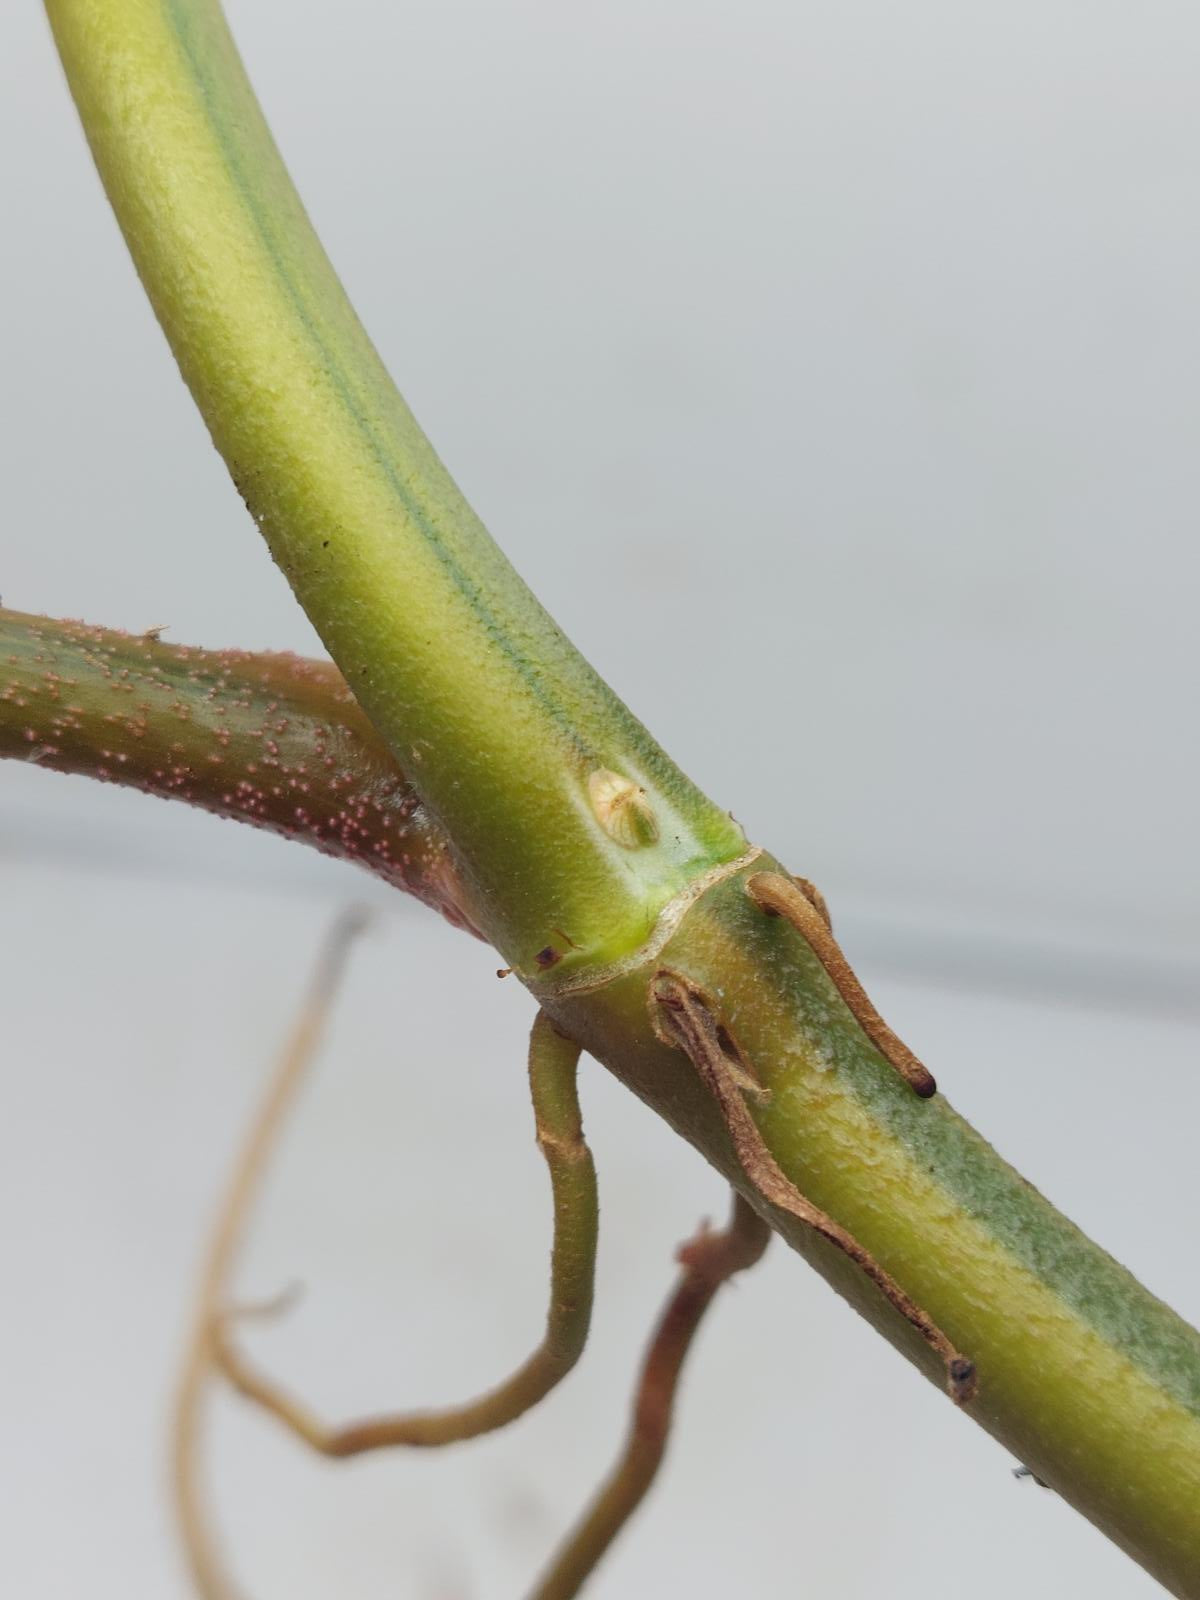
207,1566
709,1260
802,905
685,1020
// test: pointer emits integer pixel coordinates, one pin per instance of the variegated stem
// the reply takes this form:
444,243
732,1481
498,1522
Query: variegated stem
593,863
515,743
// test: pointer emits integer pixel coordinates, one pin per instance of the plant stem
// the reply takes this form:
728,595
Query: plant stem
596,866
458,667
273,740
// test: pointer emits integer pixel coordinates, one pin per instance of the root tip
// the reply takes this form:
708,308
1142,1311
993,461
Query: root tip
963,1380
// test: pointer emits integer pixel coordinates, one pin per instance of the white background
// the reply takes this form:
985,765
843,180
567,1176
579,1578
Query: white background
830,371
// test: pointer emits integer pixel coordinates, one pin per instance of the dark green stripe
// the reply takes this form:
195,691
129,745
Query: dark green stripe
208,89
1097,1289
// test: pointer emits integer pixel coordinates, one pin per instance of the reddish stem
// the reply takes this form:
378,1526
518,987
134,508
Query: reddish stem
271,739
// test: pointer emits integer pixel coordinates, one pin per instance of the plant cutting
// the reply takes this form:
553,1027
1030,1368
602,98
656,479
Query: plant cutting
465,750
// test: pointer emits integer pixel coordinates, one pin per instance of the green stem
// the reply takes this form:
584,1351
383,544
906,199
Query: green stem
1083,1374
474,688
272,740
595,864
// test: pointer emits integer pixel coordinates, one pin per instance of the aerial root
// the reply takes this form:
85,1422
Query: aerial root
200,1544
553,1064
802,905
709,1260
685,1020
